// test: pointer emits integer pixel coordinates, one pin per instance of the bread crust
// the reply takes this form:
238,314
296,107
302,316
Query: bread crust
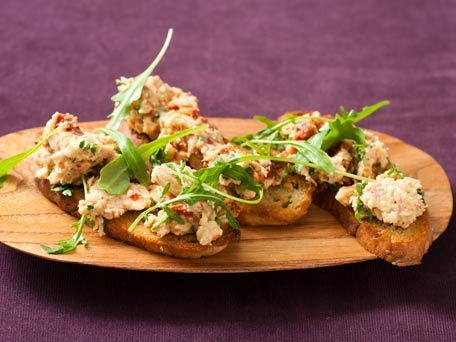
185,246
401,247
282,204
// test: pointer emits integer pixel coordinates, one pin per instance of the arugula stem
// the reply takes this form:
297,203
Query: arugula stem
295,161
224,194
84,184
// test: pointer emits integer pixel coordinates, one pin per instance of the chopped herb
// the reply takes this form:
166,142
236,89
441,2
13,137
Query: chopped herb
88,146
421,193
361,211
64,189
394,170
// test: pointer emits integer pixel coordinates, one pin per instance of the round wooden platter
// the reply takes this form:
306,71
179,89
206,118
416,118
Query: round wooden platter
27,219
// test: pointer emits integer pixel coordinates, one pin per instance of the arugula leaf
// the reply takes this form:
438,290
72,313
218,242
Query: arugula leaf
172,215
204,183
343,126
65,246
131,156
64,189
132,92
339,129
268,122
114,177
7,164
306,152
272,128
364,113
147,150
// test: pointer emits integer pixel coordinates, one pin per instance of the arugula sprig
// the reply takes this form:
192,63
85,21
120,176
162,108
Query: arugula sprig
343,127
7,164
202,185
273,128
115,176
65,246
306,152
132,92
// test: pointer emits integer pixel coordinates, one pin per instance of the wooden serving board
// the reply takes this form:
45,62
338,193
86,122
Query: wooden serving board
27,219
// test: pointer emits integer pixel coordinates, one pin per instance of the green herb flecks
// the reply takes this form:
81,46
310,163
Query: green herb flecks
361,211
394,171
132,92
64,189
7,164
88,146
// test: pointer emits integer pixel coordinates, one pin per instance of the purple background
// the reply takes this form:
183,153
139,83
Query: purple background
240,58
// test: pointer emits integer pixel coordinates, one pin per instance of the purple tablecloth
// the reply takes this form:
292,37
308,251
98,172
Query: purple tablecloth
240,58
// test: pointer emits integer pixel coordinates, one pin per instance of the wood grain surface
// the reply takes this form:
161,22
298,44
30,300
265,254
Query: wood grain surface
27,220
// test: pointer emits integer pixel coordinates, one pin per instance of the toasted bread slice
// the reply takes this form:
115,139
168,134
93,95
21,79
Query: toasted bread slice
68,204
185,246
282,204
399,246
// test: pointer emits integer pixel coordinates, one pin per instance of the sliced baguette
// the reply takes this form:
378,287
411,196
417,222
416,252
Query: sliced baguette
185,246
401,247
282,204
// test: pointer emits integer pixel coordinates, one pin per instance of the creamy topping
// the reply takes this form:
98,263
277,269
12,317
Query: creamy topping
306,125
99,205
71,152
376,157
396,201
340,161
199,217
158,99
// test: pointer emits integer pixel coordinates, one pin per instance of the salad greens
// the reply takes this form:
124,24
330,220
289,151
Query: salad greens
195,190
343,127
131,156
132,92
115,176
64,246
